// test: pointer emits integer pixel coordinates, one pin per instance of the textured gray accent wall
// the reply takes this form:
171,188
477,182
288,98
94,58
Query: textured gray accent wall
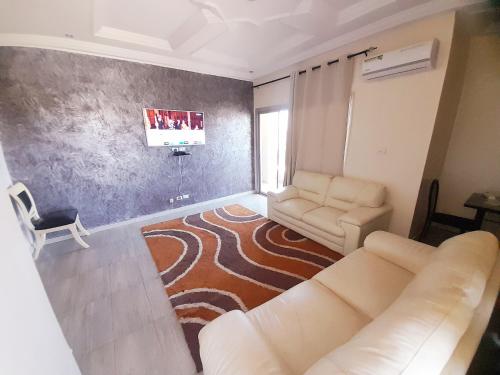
72,130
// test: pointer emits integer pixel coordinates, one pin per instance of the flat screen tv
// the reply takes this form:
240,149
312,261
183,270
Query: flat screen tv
166,127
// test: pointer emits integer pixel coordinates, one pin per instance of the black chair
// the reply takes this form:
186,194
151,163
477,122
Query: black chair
462,223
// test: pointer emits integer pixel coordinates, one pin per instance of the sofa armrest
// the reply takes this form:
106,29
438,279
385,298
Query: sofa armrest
362,215
231,345
288,192
405,253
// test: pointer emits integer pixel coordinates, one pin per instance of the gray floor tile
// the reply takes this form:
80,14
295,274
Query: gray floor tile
147,267
99,329
139,353
109,255
174,347
124,274
92,285
158,300
66,266
88,260
89,327
131,310
74,327
99,362
62,295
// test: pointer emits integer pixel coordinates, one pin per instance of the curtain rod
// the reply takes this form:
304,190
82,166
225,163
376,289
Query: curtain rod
364,52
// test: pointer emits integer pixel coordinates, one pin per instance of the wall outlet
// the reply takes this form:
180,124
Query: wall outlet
185,196
171,200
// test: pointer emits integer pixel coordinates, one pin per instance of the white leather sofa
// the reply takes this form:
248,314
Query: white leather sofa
338,212
395,306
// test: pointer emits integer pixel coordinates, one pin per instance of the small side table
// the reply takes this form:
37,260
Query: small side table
482,205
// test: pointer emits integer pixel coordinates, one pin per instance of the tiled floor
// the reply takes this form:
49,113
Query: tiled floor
111,303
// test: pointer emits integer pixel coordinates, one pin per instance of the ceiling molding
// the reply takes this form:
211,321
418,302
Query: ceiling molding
197,31
408,15
361,9
133,38
104,50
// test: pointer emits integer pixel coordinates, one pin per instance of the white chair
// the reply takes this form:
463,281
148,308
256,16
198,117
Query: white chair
52,222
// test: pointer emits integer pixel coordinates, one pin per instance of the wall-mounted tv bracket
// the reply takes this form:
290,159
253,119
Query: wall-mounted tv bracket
180,151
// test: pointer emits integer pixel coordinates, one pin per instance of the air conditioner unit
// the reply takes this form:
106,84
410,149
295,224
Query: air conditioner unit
420,56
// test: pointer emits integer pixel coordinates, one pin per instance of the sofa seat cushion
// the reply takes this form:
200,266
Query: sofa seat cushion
309,231
414,335
367,282
295,207
325,218
305,323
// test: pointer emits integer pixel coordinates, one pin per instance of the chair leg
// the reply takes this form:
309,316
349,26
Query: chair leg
74,231
39,242
80,227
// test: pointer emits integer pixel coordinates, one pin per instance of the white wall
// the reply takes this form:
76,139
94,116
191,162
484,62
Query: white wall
31,341
393,118
472,163
275,94
445,119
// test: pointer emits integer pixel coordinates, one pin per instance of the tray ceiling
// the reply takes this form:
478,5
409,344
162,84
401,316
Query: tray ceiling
236,38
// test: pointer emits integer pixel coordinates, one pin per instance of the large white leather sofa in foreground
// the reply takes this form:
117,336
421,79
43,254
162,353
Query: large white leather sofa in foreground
395,306
338,212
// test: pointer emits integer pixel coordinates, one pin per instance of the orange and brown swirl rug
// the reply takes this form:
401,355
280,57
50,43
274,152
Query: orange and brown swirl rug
226,259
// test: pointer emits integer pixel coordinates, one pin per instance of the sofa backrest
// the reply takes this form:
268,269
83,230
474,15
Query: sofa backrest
312,186
346,193
418,333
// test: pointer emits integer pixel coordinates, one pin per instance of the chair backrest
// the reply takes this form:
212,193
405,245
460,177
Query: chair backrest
24,200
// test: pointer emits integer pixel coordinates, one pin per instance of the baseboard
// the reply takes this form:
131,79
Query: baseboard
173,211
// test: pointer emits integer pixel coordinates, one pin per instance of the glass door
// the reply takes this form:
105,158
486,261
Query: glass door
272,127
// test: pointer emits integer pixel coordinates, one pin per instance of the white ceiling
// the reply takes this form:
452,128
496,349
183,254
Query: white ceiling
243,39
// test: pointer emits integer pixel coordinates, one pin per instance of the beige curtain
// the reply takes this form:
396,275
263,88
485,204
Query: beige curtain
318,119
292,133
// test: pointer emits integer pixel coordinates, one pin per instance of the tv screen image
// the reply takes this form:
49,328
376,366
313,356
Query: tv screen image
166,127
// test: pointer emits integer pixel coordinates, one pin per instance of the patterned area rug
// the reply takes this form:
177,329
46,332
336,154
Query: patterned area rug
226,259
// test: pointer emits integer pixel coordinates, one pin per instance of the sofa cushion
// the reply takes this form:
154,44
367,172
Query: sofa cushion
365,281
295,207
325,218
306,322
413,336
346,193
312,186
310,231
